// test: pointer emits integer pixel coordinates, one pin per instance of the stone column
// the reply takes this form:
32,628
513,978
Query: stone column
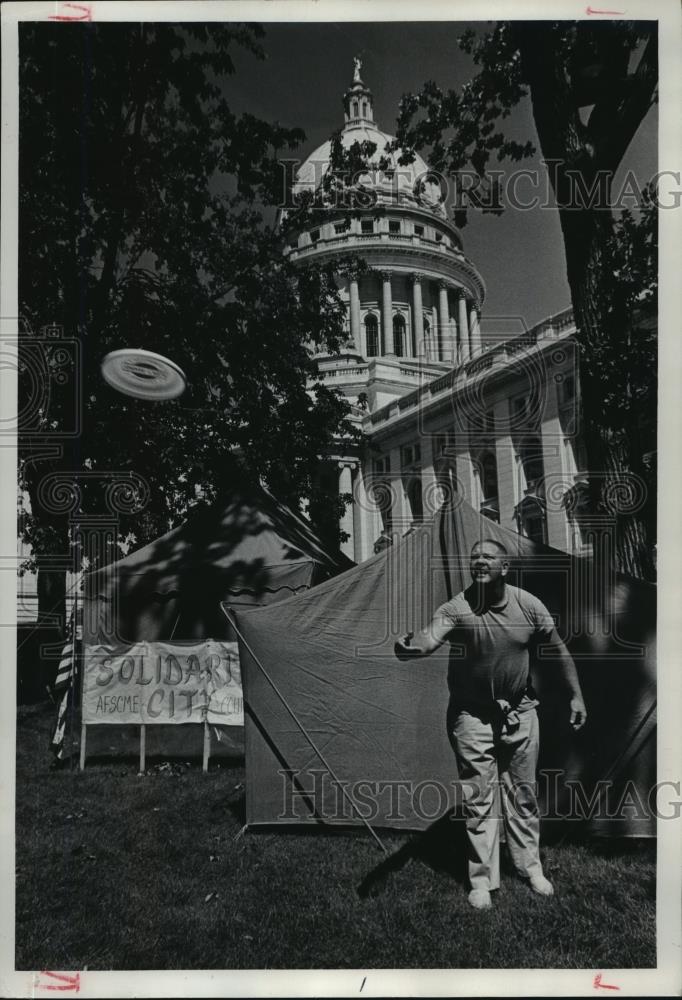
463,329
366,518
555,468
417,316
454,340
474,332
506,465
355,332
401,520
387,313
433,339
444,320
346,524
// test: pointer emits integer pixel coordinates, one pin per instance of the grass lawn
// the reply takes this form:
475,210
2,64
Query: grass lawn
120,871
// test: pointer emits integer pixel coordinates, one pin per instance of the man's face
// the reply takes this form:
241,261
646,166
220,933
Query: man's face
488,564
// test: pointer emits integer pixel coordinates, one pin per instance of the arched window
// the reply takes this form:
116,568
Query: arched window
355,109
399,335
364,109
372,335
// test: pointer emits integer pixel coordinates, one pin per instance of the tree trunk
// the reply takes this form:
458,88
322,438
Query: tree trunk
617,488
51,555
51,597
587,229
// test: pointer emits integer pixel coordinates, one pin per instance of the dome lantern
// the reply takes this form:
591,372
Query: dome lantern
358,101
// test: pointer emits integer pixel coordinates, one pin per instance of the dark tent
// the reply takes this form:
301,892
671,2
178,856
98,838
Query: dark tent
248,550
337,729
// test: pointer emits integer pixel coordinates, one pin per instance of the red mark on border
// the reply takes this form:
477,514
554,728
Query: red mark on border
591,10
66,981
598,985
85,15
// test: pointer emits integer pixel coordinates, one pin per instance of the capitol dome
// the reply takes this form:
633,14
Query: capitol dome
396,183
412,297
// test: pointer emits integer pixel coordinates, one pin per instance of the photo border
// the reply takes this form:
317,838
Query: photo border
666,979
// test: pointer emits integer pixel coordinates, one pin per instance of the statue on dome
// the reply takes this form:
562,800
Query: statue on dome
357,66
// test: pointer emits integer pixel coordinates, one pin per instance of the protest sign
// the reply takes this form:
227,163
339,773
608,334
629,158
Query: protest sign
163,683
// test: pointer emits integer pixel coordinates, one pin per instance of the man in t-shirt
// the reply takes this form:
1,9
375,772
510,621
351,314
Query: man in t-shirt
492,720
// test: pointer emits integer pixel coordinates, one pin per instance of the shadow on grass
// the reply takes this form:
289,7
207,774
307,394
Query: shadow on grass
442,847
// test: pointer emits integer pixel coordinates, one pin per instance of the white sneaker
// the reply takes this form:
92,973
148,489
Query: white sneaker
479,899
541,885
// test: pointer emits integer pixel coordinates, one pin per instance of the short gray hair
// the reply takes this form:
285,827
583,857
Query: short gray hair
491,541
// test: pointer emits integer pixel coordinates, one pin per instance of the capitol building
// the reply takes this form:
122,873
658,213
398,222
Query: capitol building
441,405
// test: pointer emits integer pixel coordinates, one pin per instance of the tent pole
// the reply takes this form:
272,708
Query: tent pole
175,625
76,678
77,672
207,746
143,747
303,731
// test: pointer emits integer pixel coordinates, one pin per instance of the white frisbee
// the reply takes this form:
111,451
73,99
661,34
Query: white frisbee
143,374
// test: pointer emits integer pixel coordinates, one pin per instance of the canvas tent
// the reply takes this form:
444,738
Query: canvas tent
338,730
248,550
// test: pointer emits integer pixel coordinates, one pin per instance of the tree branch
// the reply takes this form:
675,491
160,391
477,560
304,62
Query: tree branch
618,114
562,135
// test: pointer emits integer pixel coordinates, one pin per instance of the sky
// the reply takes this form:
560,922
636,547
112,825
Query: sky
309,66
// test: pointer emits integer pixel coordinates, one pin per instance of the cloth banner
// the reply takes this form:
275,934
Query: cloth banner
163,683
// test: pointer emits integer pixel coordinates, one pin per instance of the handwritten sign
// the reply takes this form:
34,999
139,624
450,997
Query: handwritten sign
163,683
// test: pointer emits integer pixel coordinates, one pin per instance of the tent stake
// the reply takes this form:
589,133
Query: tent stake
303,731
143,747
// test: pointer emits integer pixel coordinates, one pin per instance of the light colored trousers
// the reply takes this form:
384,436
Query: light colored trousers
498,774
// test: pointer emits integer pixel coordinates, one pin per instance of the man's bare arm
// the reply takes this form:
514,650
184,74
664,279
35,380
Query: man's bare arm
570,677
426,641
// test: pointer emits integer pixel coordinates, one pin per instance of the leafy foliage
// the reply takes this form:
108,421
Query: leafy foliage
461,128
626,361
142,223
564,66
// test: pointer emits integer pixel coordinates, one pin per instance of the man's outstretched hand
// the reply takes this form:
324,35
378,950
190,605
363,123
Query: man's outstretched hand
403,650
578,712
